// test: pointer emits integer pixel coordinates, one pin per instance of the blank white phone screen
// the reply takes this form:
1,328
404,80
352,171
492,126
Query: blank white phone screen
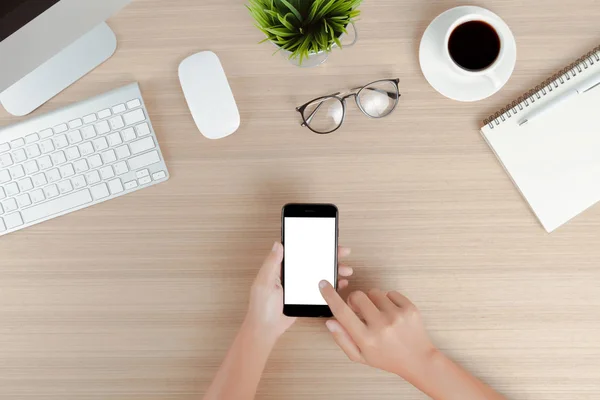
309,257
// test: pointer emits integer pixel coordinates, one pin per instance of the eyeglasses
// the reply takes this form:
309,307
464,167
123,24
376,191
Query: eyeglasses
326,114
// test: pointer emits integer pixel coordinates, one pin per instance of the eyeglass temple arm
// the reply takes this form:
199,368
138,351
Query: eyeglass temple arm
389,94
312,114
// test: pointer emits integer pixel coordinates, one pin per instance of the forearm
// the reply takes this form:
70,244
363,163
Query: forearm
239,375
442,379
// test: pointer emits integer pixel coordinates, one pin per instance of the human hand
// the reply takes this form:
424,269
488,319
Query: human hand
265,312
382,330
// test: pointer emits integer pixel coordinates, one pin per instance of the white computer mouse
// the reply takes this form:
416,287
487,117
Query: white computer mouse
208,95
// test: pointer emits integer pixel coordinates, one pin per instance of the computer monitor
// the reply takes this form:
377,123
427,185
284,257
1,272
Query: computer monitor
46,45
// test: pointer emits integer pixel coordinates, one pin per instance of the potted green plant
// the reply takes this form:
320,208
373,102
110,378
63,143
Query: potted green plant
306,30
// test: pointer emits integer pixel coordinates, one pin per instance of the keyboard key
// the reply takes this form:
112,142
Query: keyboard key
143,160
115,186
134,117
17,172
67,170
88,119
121,168
109,156
128,134
100,143
93,177
2,225
46,133
145,180
86,148
79,182
34,137
123,152
12,189
102,127
159,175
116,122
143,129
100,191
10,205
131,185
31,167
95,161
44,162
76,123
4,147
134,103
65,203
88,132
104,114
6,160
114,139
25,184
81,166
1,212
142,173
107,172
60,141
65,187
19,155
37,196
53,175
13,220
142,145
51,191
74,136
61,128
33,151
2,193
47,146
39,180
73,153
17,142
119,108
59,158
23,200
4,176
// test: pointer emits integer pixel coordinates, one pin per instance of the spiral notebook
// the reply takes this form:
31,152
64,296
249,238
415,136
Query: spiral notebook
554,159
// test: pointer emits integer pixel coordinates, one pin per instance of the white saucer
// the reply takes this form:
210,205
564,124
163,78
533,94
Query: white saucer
439,70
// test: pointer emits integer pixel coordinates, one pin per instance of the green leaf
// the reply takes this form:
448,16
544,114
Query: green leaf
292,9
281,33
285,23
313,9
325,9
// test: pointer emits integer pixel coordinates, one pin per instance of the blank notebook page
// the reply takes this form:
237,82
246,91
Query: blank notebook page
554,160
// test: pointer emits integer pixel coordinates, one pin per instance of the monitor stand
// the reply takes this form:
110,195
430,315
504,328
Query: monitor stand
59,72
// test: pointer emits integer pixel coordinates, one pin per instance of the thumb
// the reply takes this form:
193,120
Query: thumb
272,265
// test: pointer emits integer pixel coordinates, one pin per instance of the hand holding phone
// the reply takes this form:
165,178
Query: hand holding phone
309,236
265,311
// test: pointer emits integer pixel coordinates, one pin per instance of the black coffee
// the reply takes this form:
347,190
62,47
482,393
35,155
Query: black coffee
474,45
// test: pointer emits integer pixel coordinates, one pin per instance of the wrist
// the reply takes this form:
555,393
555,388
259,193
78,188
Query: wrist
419,373
262,336
432,374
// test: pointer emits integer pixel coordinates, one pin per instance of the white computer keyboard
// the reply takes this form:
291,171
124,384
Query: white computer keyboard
76,157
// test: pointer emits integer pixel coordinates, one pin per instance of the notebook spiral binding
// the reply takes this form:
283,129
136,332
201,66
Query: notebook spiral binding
544,88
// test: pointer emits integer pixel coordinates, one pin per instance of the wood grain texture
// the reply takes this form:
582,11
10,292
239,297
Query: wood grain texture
139,298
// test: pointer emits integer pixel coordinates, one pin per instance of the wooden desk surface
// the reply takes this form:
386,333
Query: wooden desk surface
138,298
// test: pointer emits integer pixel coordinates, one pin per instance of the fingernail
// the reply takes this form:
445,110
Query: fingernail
275,247
331,325
323,284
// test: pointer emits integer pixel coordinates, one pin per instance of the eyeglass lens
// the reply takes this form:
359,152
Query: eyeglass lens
324,115
378,99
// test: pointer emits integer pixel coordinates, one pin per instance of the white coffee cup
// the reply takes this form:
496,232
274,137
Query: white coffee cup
490,71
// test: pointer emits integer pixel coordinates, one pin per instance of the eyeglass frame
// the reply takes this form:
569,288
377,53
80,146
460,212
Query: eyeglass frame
342,100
